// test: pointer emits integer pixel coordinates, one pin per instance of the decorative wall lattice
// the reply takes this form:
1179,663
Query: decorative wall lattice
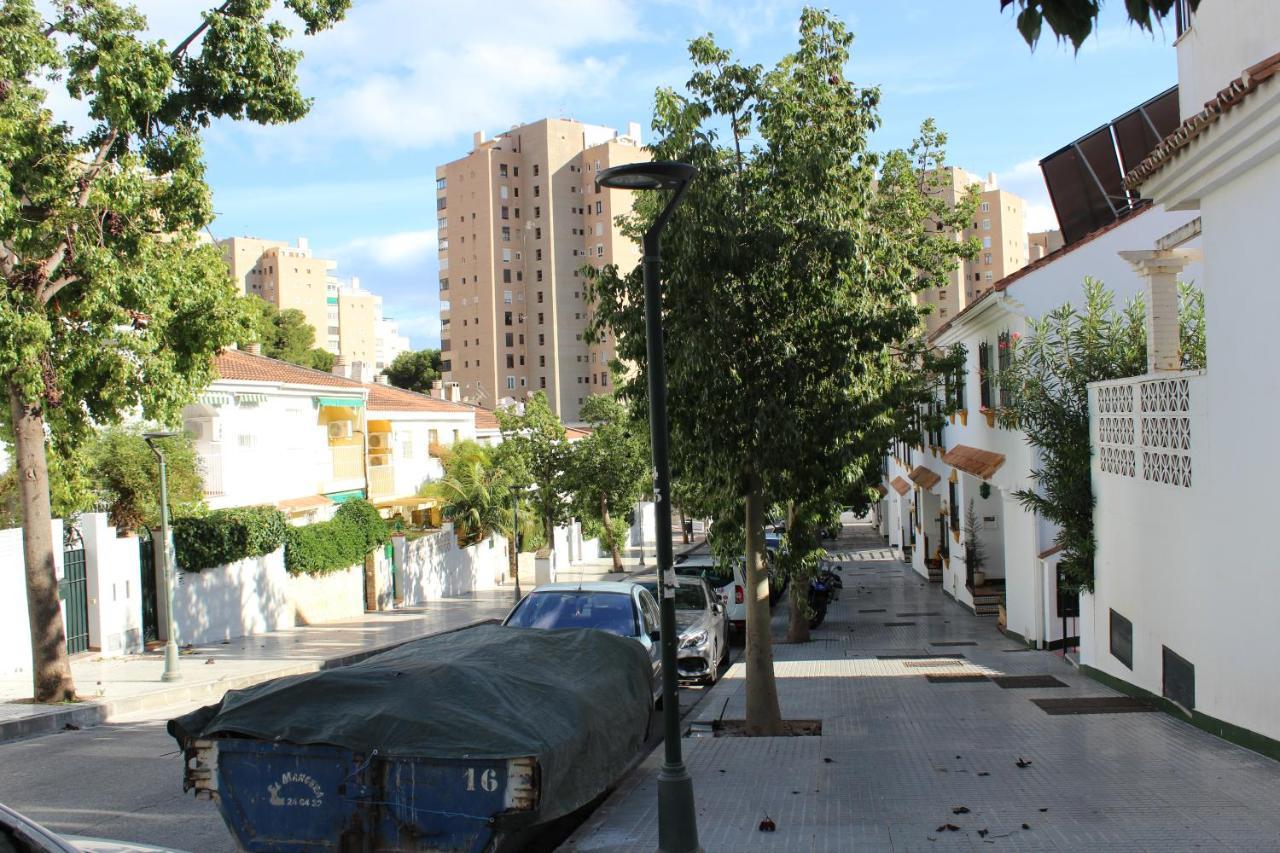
1151,438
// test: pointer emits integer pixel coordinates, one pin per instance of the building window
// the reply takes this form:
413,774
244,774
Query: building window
986,259
986,242
542,361
521,339
511,361
441,183
537,191
984,374
542,382
506,318
987,275
506,276
599,229
440,205
537,275
604,378
506,233
537,254
537,213
508,338
539,318
506,256
599,207
505,213
515,171
539,297
502,192
542,340
986,225
535,170
537,233
506,297
502,170
986,207
444,284
600,251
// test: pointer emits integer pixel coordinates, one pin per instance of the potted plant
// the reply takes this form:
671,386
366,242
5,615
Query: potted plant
974,555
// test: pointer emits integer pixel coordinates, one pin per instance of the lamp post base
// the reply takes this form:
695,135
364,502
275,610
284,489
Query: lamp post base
171,672
677,816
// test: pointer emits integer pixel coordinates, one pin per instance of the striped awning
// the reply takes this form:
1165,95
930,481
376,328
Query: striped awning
924,478
250,399
340,402
215,398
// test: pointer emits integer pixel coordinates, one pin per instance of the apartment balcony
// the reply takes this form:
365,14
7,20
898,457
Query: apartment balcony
1147,431
347,468
382,481
209,465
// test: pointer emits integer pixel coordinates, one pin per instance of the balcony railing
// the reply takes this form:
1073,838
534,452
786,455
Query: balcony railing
382,481
209,464
348,462
1149,427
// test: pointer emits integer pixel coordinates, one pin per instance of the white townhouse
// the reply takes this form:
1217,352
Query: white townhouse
1187,585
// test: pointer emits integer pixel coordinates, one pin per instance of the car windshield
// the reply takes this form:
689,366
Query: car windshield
608,611
687,597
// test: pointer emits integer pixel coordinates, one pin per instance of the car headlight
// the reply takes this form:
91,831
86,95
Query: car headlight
693,640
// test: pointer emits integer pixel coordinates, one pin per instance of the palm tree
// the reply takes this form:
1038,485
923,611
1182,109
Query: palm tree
476,495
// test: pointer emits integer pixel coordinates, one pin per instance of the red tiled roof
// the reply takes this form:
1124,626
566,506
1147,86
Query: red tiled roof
386,398
1235,92
974,460
1012,277
486,420
576,433
900,485
923,477
238,364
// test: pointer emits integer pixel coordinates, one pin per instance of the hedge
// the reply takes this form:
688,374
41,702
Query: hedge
356,529
227,535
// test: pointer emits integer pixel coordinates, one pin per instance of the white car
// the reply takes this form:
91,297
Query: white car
23,834
619,607
730,586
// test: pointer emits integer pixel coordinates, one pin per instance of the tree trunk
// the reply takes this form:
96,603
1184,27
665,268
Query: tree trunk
608,532
51,670
797,592
513,554
548,530
764,719
684,531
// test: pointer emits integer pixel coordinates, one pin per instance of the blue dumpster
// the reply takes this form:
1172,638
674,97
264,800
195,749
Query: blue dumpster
462,742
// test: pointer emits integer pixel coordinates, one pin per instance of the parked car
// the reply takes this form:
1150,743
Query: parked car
472,741
728,584
619,607
704,631
23,835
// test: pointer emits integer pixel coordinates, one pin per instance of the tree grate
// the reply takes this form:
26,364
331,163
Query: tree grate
933,663
954,678
1016,682
952,656
1094,705
950,643
899,624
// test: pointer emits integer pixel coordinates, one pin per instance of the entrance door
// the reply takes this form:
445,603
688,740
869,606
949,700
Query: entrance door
74,592
150,606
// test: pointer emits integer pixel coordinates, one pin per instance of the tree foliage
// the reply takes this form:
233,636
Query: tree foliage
330,546
534,455
1048,376
415,370
128,479
285,335
792,334
475,492
110,304
608,471
1074,20
226,535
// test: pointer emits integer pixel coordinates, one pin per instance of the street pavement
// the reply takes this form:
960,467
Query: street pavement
903,758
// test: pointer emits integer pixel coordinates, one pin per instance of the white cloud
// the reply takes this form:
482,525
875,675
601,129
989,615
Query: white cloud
399,250
1025,179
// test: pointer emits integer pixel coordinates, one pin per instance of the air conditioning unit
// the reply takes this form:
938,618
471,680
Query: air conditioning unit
379,441
209,431
340,429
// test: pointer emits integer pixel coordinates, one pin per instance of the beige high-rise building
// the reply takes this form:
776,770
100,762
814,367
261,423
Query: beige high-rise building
518,218
998,224
286,276
1041,243
358,314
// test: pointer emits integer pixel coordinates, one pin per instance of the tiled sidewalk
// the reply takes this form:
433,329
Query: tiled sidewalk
121,686
900,753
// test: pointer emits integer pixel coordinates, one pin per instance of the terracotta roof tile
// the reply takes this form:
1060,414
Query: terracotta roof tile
924,478
486,420
1235,92
238,364
972,460
1049,552
900,485
387,398
305,504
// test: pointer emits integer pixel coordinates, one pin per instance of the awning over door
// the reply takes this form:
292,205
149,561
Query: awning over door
341,402
924,478
900,485
972,460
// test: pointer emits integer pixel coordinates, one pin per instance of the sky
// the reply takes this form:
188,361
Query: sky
401,85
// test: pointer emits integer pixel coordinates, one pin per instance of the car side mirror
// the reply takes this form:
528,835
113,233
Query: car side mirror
717,608
656,636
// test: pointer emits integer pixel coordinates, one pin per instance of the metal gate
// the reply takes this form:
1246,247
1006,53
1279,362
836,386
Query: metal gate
150,608
74,592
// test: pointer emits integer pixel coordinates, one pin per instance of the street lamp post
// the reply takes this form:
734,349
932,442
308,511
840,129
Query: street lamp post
171,672
515,537
677,819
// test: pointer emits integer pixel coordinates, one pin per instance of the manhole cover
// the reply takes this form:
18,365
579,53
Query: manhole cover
899,624
1014,682
953,678
950,643
933,663
1093,705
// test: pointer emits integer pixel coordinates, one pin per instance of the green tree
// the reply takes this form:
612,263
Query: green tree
475,493
1074,20
792,334
534,455
111,304
607,472
415,370
127,475
285,335
1049,373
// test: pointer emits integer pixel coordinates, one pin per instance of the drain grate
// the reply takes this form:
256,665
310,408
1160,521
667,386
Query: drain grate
928,613
950,643
1094,705
1015,682
899,624
933,663
952,656
954,678
873,610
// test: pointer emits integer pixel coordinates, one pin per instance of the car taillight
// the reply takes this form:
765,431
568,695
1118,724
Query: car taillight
739,595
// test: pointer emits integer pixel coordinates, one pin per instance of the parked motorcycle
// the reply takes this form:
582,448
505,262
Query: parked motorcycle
820,596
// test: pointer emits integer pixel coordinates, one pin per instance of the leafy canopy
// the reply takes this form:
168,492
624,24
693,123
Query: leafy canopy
608,470
1074,20
415,370
285,335
533,455
475,492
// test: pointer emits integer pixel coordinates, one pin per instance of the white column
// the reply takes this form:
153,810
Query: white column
1159,270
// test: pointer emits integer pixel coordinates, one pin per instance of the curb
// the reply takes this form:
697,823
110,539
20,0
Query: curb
94,711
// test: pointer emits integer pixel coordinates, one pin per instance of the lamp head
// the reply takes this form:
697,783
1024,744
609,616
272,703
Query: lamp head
160,433
657,175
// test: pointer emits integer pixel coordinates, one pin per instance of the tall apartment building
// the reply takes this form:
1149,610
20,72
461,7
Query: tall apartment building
1041,243
286,276
518,218
999,224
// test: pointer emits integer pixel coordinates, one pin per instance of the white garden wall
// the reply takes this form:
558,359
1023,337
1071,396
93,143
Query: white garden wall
250,596
115,587
330,597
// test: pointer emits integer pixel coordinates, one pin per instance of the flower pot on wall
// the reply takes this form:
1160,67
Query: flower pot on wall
979,578
991,418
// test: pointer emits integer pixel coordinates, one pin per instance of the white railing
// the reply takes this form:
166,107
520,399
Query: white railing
348,461
1147,427
382,481
209,465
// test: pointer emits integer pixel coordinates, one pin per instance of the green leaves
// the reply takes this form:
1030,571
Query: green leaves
415,370
1074,20
608,470
226,535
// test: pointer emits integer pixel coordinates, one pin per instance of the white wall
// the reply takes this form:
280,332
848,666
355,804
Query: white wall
329,597
115,587
249,596
15,631
642,530
1226,37
433,566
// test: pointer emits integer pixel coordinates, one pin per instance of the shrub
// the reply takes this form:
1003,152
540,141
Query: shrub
227,535
356,529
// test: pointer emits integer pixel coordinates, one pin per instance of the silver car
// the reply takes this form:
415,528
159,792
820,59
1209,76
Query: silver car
704,632
21,833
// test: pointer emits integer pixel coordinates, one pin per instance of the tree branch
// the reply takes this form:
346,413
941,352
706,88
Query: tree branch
199,31
51,264
53,288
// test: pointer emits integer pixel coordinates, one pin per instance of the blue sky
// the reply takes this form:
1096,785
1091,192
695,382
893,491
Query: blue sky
402,84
